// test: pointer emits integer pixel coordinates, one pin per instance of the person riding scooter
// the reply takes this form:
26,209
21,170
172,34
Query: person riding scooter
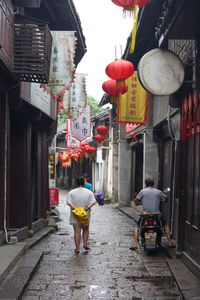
150,199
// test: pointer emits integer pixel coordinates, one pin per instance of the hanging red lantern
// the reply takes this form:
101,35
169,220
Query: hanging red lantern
102,130
99,138
60,104
59,110
129,4
75,156
91,150
64,156
110,88
120,70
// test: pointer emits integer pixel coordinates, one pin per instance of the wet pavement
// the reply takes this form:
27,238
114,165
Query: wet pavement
109,271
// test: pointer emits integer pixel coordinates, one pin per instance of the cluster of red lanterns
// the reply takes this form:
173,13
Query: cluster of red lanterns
102,132
78,154
119,70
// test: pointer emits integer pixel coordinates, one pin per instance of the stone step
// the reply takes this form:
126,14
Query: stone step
9,255
17,280
188,283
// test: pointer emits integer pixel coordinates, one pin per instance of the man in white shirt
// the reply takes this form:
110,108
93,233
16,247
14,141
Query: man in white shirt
80,197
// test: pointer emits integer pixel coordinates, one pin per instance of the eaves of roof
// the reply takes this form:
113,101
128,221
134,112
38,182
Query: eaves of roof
104,100
102,115
61,15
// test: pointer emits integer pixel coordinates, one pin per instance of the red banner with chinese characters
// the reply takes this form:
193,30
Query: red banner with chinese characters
53,196
133,106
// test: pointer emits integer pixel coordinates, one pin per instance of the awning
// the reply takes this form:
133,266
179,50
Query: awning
179,20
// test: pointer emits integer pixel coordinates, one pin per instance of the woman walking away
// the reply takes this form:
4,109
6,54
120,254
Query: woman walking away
80,197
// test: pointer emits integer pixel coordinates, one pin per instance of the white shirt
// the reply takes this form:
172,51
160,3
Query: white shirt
80,197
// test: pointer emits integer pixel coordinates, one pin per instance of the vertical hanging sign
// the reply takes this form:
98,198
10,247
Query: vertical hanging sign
133,106
52,165
81,127
62,67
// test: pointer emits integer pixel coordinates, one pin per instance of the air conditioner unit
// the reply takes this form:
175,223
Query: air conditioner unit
32,49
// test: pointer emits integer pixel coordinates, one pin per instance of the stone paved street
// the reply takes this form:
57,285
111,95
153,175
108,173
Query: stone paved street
109,272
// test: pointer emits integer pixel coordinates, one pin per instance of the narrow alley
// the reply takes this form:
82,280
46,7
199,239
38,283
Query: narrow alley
109,271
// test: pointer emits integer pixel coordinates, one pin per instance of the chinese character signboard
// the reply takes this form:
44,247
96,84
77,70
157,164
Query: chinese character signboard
62,67
71,142
52,165
74,99
133,106
81,127
53,196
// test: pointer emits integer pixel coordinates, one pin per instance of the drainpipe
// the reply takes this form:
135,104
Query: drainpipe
174,169
5,162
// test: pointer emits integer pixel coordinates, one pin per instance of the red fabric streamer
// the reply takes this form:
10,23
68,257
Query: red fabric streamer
195,104
190,102
184,120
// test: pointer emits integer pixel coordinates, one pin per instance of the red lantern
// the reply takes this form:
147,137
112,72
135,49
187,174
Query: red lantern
110,88
99,138
64,157
120,70
60,104
91,150
129,4
75,156
102,130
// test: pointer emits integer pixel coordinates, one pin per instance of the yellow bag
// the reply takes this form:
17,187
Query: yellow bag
81,215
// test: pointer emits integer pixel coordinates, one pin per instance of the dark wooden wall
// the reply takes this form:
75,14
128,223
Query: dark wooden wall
190,206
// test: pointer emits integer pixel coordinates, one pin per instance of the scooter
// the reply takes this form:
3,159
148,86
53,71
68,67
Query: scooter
151,231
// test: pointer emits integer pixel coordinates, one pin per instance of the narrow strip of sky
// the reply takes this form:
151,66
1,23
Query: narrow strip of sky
104,28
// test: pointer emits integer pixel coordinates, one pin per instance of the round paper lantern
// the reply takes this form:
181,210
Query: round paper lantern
110,88
64,157
129,4
75,156
91,150
102,130
120,70
99,138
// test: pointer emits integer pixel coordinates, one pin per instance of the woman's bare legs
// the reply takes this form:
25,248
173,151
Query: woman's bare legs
77,237
85,235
